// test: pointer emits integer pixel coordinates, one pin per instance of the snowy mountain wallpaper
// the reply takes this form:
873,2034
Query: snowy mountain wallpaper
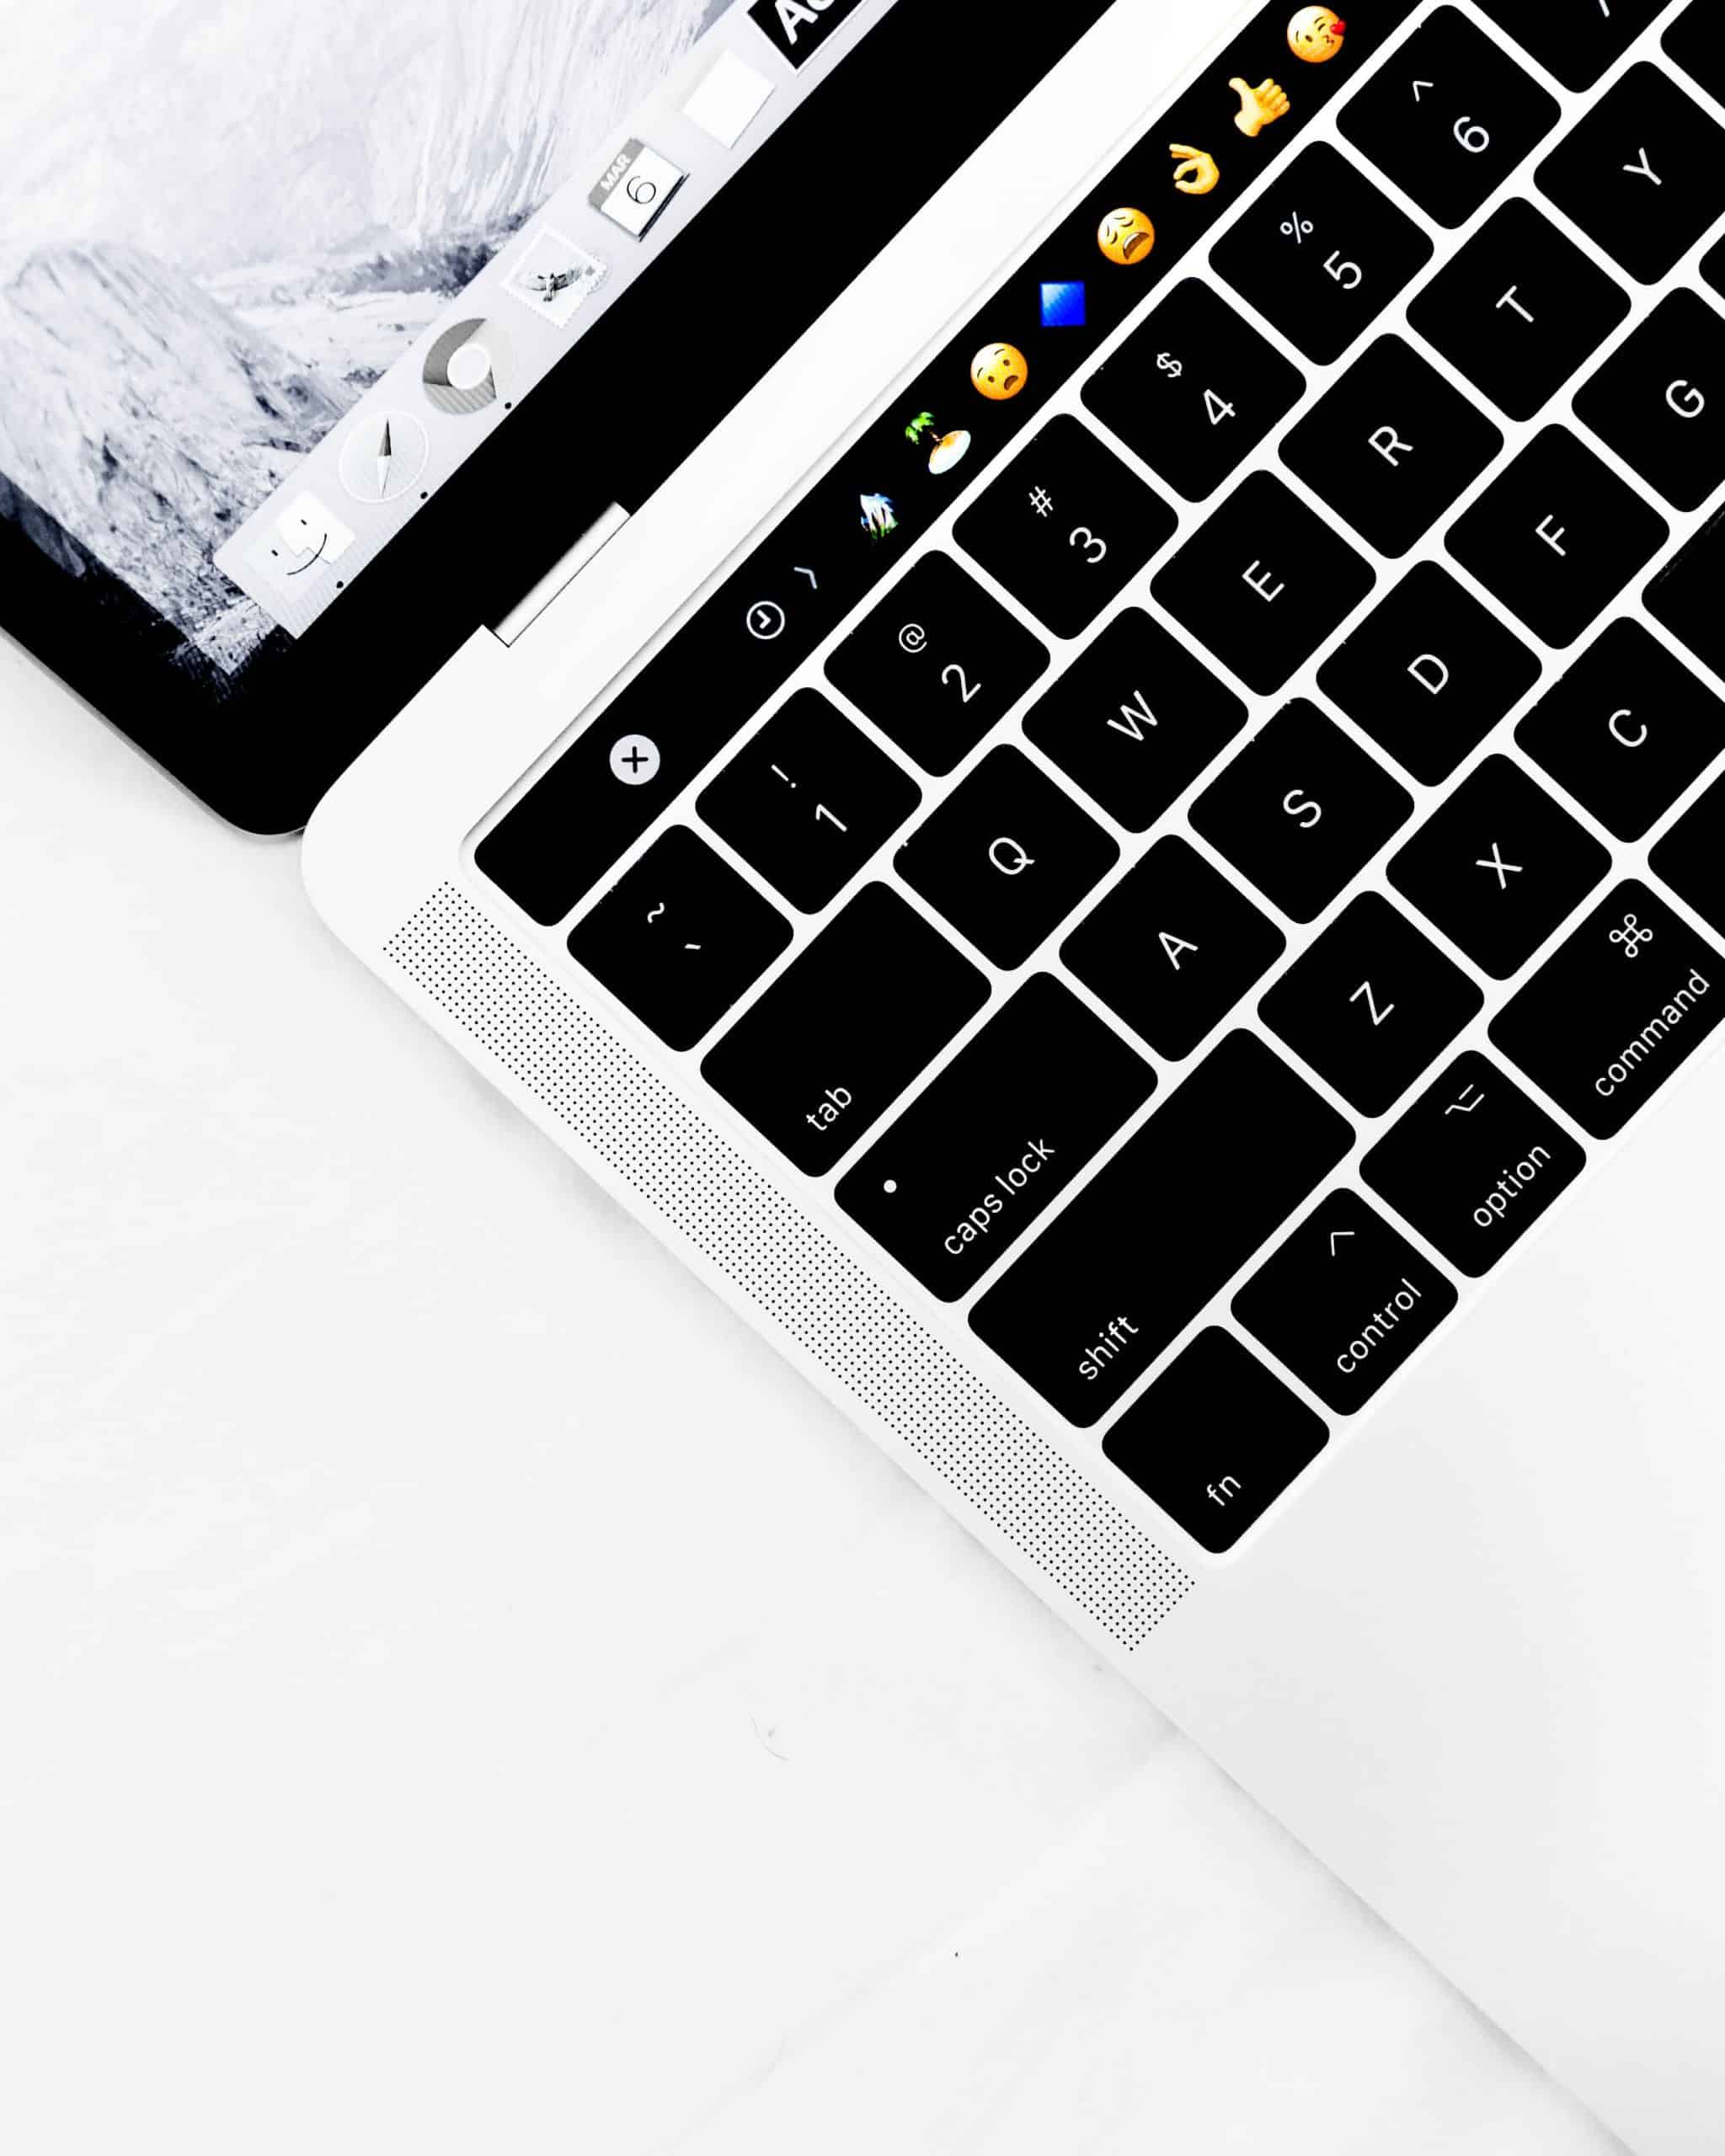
219,220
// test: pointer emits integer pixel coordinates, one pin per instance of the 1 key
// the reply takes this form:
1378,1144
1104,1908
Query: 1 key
1450,117
1323,254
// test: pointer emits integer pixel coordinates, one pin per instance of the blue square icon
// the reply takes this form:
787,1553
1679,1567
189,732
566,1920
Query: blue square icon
1063,306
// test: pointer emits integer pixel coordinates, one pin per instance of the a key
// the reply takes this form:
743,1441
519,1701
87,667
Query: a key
991,1142
1370,1004
936,662
1173,948
1684,595
1696,42
1690,857
1301,810
1498,866
1625,730
823,1053
1193,390
1005,856
1577,42
1620,1005
1556,536
1429,673
678,937
1322,253
1216,1440
1160,1228
1659,400
1345,1302
808,800
1065,526
1135,719
1448,117
1393,445
1642,171
1263,582
1518,309
1473,1164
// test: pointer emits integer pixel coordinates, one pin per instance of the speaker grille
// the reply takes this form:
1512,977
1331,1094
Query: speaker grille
699,1183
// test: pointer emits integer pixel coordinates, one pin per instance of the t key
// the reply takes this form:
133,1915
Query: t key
1556,536
1323,254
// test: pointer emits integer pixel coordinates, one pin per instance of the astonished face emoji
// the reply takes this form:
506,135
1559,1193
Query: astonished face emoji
1316,33
1125,236
999,371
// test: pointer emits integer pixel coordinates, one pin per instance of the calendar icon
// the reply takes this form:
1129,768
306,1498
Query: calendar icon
636,186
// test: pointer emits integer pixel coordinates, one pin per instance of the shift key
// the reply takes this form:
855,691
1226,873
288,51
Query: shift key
986,1148
1182,1207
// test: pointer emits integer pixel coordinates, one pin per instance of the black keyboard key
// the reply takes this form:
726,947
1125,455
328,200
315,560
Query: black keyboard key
678,937
1173,948
1625,730
1005,856
1370,1004
1684,595
830,1045
1393,445
1135,719
1643,172
1193,390
1323,254
1556,536
1713,267
1345,1301
1065,526
1301,810
1498,866
1620,1005
1216,1440
1449,117
1576,42
1659,400
808,800
1473,1164
1429,673
1690,857
990,1143
1696,42
1160,1228
936,662
1518,309
1263,582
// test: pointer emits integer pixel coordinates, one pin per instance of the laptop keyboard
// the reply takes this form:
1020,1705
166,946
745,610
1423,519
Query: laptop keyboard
1193,829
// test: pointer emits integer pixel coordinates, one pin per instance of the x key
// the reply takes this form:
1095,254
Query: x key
1501,918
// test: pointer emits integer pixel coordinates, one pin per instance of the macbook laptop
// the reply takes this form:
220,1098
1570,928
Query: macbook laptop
1126,862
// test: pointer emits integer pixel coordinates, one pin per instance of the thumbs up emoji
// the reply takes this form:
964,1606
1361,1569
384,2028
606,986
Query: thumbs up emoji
1257,107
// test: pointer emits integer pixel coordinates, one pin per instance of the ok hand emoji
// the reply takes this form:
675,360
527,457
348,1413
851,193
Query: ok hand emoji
1257,107
1198,172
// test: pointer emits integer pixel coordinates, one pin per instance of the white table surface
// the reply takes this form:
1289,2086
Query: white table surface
460,1691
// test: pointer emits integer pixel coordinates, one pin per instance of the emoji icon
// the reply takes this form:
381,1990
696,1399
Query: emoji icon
1198,172
1125,236
949,449
1257,107
1063,306
999,371
1316,33
878,517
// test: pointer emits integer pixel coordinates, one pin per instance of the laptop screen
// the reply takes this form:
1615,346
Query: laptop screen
299,308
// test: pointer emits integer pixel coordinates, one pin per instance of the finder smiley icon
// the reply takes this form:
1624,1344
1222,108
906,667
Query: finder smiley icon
1125,237
999,372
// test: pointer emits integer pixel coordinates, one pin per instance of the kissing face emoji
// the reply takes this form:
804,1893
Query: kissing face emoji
1316,33
999,371
1125,236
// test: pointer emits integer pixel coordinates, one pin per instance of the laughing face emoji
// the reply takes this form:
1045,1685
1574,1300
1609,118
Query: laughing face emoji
1316,33
1125,236
999,371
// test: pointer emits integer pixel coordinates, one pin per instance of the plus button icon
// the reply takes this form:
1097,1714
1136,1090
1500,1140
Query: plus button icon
634,760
